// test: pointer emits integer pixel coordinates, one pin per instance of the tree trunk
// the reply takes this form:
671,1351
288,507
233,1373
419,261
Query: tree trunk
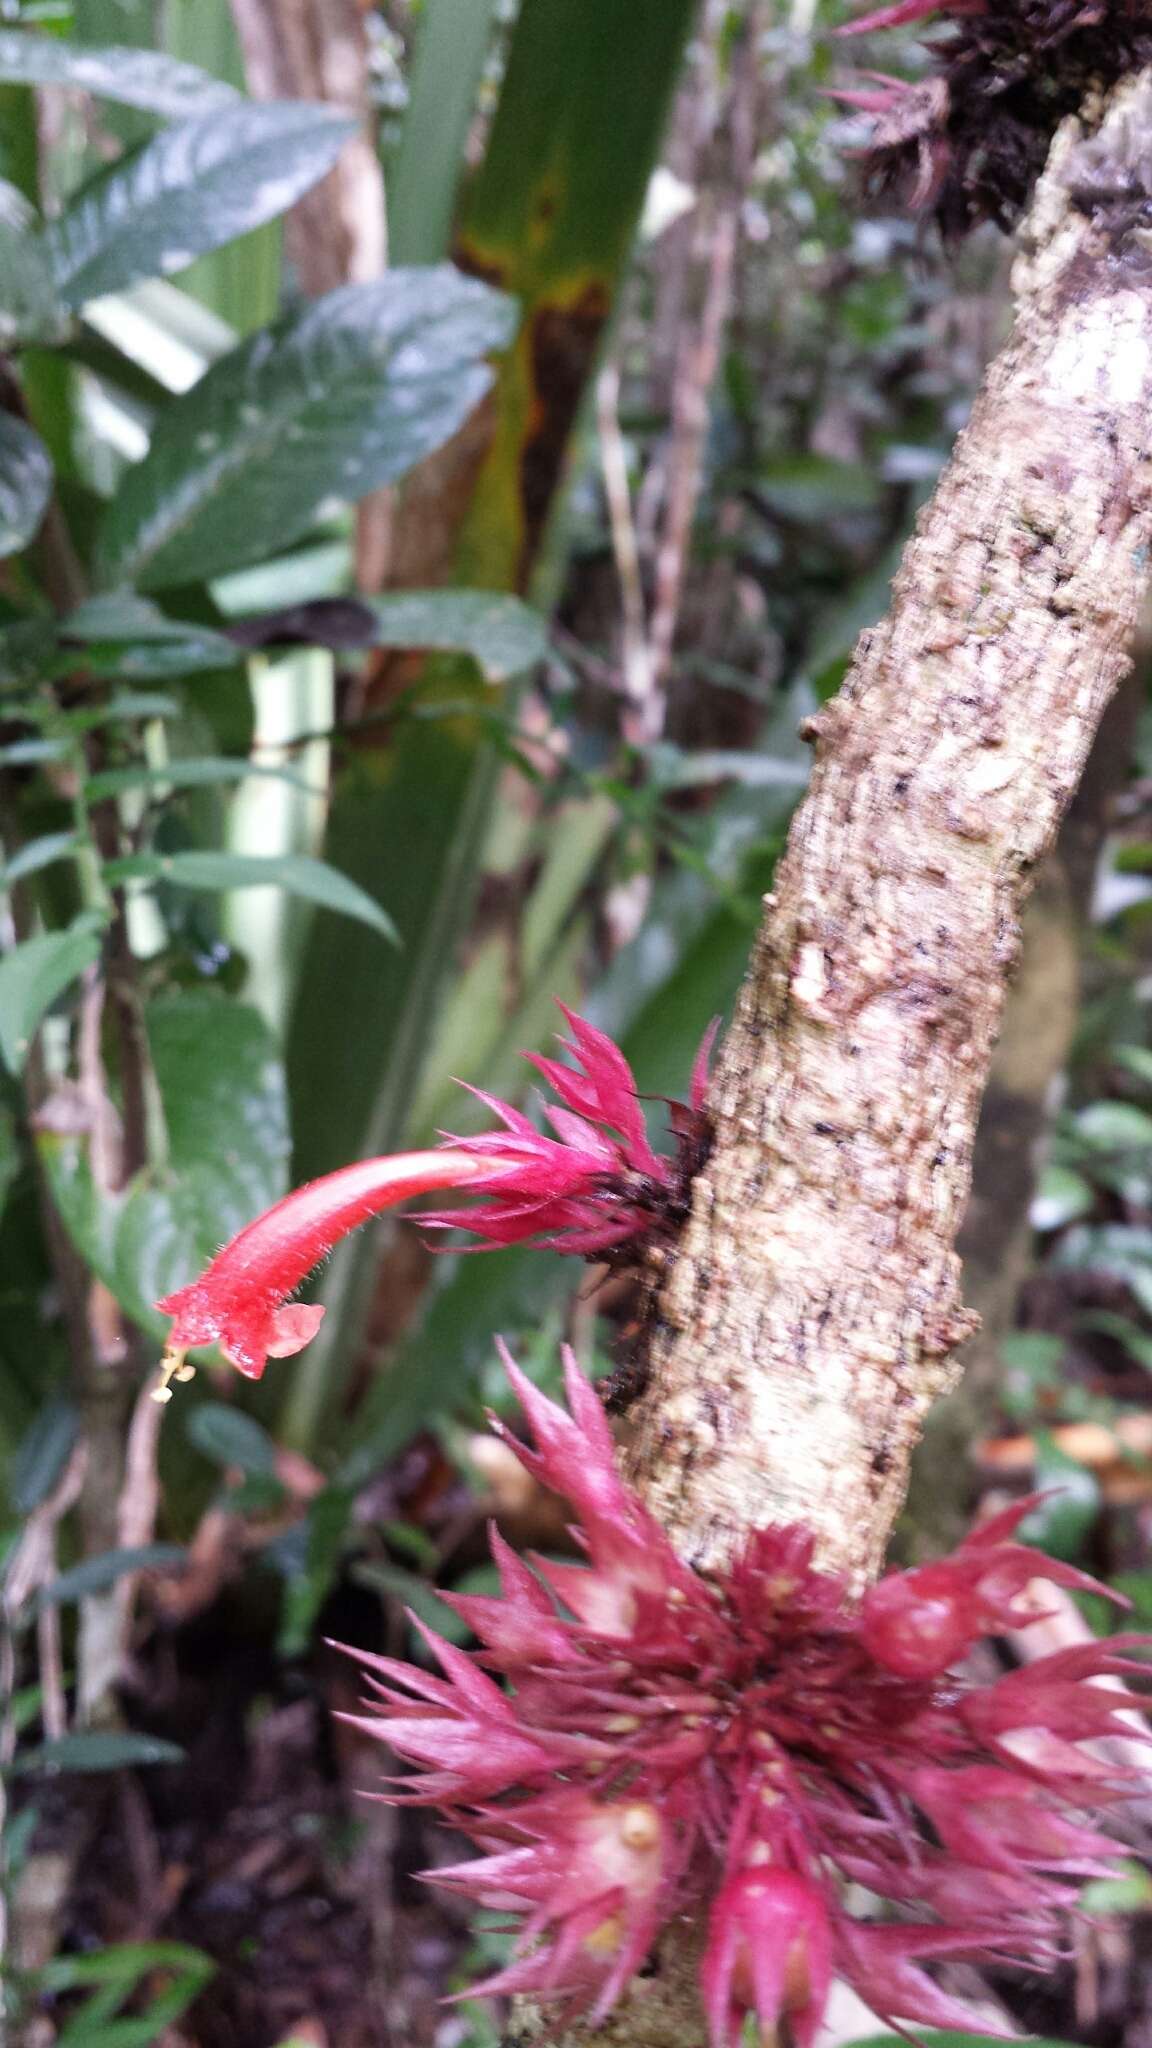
813,1309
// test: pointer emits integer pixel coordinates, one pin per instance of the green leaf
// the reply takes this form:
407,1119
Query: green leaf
1137,1059
136,78
297,873
222,1089
37,854
1137,1342
192,188
1130,1891
25,483
114,1974
1114,1249
1060,1524
940,2038
229,1437
1061,1196
42,1454
97,1573
95,1750
201,772
129,637
30,308
34,974
500,633
342,397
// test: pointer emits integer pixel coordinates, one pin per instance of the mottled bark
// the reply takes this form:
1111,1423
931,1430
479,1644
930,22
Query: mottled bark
814,1308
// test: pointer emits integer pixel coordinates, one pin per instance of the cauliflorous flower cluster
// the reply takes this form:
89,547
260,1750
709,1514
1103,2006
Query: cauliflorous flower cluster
597,1188
969,141
632,1741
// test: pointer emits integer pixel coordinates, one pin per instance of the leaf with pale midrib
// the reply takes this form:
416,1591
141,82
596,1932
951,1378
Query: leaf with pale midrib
192,188
343,396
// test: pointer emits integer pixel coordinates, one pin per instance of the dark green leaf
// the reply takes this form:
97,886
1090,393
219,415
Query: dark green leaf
1060,1523
1137,1342
25,483
42,1455
30,308
503,635
1114,1249
95,1750
136,78
229,1437
127,636
203,772
192,188
296,873
341,398
34,974
37,854
97,1573
1061,1196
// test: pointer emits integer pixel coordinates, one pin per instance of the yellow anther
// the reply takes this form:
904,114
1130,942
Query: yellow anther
173,1366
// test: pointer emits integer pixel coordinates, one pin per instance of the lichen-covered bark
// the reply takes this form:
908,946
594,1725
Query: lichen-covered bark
814,1307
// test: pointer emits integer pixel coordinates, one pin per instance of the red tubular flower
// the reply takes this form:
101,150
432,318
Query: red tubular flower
596,1187
736,1747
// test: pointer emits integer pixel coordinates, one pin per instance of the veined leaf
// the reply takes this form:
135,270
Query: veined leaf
195,186
136,78
34,974
42,1454
230,1437
95,1750
25,483
500,633
203,772
314,880
339,399
96,1574
37,854
30,308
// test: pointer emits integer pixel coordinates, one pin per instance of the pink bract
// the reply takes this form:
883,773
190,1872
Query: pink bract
632,1741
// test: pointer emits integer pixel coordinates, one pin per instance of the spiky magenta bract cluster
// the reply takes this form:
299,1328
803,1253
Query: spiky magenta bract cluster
597,1183
632,1741
969,140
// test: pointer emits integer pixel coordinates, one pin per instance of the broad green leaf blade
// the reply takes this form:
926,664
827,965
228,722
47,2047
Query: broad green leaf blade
205,771
500,633
193,188
42,1454
95,1750
34,974
25,483
96,1574
128,636
297,873
229,1437
136,78
37,854
30,308
341,398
